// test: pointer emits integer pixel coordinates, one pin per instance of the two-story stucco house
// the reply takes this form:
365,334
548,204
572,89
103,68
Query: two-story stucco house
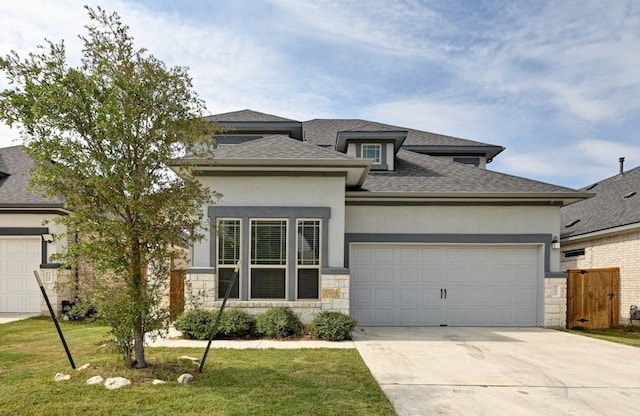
394,226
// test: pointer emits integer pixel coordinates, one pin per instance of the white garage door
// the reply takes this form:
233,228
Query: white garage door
19,257
458,285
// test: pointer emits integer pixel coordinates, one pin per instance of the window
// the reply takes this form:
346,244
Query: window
308,259
268,265
228,232
372,152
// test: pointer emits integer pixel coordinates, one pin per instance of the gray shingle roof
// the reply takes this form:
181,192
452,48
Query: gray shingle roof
422,173
322,132
278,147
608,209
244,116
15,163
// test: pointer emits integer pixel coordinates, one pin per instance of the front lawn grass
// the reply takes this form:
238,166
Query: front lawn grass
628,335
235,382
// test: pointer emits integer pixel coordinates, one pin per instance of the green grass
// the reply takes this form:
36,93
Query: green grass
235,382
628,335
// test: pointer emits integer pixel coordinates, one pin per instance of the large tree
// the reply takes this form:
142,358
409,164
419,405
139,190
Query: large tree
102,134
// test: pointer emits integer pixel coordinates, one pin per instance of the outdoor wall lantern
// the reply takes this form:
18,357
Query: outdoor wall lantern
555,243
48,238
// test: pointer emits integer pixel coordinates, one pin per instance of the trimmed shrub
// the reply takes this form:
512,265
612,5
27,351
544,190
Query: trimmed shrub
236,323
196,323
332,326
278,323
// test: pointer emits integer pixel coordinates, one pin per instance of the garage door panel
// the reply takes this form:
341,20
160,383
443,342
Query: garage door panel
408,275
486,285
383,275
18,289
383,295
384,316
383,256
409,295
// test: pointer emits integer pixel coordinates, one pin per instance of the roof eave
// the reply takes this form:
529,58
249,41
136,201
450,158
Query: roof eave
34,206
343,137
558,199
357,170
601,233
490,151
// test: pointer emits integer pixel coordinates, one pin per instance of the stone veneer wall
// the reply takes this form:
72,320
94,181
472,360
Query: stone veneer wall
618,250
55,284
334,296
555,302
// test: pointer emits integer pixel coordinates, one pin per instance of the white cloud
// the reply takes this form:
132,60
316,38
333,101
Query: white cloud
451,118
578,163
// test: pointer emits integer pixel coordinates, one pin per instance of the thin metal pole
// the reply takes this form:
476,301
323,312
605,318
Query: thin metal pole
55,321
214,330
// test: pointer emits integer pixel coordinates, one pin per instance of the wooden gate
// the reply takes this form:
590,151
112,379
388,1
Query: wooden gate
176,293
593,298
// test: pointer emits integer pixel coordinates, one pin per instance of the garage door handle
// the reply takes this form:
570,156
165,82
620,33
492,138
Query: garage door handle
445,293
440,293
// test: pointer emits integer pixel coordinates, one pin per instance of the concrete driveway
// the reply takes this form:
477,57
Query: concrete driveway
501,371
11,317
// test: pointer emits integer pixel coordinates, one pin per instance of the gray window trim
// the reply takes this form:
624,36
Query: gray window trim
290,213
31,232
383,153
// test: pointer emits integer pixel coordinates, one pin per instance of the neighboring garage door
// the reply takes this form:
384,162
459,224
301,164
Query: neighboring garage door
457,285
19,257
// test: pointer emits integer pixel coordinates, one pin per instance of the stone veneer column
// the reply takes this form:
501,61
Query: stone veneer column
555,302
334,293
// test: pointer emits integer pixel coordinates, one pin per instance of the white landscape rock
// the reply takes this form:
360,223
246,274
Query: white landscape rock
84,367
157,381
113,383
95,380
185,378
61,377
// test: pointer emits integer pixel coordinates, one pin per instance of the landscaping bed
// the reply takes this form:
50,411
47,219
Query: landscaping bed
234,382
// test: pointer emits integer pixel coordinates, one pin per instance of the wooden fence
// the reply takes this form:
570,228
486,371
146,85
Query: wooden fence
593,298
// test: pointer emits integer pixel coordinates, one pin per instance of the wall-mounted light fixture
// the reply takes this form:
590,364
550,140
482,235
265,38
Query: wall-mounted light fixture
48,238
555,243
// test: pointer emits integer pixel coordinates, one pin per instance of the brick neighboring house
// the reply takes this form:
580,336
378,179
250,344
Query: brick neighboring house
604,232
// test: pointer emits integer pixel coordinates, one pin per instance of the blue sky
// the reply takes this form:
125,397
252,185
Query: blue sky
556,82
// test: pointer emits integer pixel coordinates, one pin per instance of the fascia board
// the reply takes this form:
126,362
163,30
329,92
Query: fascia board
602,233
356,170
34,207
490,151
553,198
398,137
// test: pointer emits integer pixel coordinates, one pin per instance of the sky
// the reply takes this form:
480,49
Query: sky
556,82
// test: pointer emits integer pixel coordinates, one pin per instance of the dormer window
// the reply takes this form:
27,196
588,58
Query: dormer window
372,152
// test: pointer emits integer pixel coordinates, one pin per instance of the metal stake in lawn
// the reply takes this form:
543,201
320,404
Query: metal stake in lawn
55,321
214,330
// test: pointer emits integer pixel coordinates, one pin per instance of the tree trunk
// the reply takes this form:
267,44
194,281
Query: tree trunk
140,276
138,342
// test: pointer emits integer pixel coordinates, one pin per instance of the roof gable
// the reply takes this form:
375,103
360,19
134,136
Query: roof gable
614,205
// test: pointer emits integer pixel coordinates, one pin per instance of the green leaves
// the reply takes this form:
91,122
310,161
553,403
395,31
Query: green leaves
102,135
